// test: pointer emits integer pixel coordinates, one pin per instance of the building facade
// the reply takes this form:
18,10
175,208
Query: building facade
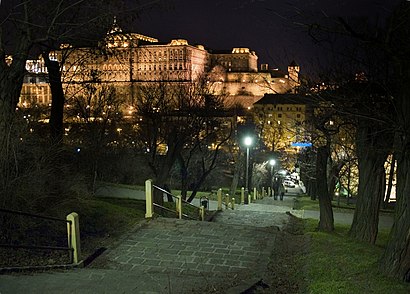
124,60
281,121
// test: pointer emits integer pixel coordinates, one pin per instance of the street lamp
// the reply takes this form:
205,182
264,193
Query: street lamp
248,142
272,163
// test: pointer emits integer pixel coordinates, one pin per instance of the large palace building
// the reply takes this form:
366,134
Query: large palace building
126,59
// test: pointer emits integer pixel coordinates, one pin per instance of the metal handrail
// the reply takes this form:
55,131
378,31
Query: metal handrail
69,222
34,215
36,247
170,210
189,203
164,208
164,191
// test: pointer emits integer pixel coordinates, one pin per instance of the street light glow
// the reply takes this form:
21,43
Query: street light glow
248,141
272,162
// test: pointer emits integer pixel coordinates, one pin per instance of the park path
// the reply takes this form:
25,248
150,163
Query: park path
173,256
178,256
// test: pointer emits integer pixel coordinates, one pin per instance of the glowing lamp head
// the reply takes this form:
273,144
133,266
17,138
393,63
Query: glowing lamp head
248,141
272,162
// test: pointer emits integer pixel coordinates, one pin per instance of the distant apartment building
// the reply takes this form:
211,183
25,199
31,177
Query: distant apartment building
281,121
124,60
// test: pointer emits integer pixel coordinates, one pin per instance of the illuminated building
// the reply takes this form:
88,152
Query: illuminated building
281,120
125,59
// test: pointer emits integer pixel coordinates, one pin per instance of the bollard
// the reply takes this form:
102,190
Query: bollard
226,201
242,195
263,192
179,206
219,195
269,192
249,199
73,231
202,213
255,192
149,206
233,203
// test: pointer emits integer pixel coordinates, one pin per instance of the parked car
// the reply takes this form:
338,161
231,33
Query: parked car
289,184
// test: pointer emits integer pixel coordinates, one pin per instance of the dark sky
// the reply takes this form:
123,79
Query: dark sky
269,27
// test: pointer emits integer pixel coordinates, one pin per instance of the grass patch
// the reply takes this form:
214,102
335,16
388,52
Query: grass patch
337,263
304,202
102,222
116,185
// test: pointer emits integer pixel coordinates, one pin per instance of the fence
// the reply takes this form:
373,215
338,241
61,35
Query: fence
228,202
180,204
73,235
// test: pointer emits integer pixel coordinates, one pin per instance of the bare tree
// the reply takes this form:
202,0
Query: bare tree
382,114
174,117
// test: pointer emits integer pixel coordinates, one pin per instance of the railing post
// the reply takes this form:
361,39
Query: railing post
233,203
73,231
202,212
149,207
179,206
242,195
219,195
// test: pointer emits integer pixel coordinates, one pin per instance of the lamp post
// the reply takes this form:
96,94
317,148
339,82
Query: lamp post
248,143
272,163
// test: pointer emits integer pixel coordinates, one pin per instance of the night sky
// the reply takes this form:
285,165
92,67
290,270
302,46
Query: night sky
271,28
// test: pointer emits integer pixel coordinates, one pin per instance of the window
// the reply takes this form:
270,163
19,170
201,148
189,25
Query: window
280,115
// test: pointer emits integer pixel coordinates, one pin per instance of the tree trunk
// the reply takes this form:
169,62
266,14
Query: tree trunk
236,174
326,221
395,260
390,183
184,176
333,177
174,149
311,189
57,104
372,151
11,81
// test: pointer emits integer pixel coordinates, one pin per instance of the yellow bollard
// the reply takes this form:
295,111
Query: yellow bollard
249,199
263,192
226,201
202,213
255,193
179,206
242,195
219,195
233,203
149,197
73,231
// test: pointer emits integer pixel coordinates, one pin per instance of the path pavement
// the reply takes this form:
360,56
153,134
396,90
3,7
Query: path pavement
171,256
176,256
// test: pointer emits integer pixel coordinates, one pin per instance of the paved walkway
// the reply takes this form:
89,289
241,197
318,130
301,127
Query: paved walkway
172,256
176,256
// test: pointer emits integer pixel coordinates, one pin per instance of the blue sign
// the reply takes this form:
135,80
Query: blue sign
301,144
